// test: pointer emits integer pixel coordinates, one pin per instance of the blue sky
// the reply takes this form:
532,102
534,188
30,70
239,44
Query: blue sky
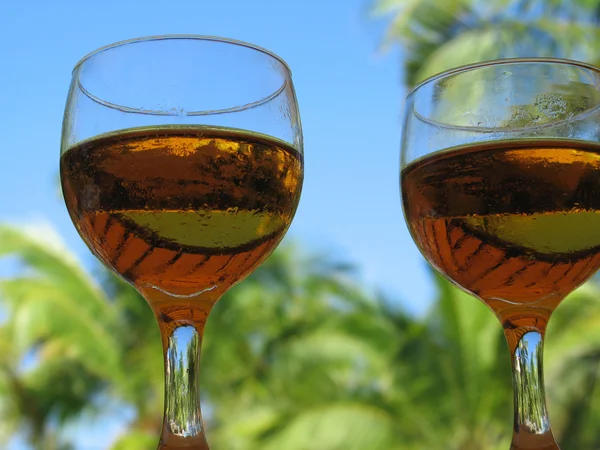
349,92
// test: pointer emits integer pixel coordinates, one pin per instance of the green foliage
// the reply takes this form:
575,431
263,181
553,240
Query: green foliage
554,106
136,440
59,317
297,356
69,341
436,36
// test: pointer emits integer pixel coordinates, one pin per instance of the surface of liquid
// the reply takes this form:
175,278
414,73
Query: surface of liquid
515,223
182,209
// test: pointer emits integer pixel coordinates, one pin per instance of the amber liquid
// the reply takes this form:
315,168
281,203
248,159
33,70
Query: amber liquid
515,223
182,210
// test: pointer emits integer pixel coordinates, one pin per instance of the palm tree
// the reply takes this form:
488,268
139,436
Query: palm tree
437,35
296,357
296,318
572,369
71,343
336,368
58,338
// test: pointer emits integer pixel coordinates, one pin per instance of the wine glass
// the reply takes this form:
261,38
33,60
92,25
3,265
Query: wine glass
181,166
500,187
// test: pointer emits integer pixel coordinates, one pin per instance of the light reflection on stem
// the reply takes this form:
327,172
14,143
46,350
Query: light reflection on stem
182,426
532,425
182,403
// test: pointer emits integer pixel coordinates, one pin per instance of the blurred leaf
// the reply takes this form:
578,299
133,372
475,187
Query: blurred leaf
136,440
437,36
345,426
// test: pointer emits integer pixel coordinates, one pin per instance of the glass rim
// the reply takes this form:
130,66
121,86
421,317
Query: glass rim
192,37
197,37
501,62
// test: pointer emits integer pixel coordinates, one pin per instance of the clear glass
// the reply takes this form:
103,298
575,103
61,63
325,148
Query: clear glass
499,182
181,168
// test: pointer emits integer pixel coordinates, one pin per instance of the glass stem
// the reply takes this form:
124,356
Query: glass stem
182,418
531,423
181,320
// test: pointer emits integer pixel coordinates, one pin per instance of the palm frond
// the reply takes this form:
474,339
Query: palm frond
42,251
344,426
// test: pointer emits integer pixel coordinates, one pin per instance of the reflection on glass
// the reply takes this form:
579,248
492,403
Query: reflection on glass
182,412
